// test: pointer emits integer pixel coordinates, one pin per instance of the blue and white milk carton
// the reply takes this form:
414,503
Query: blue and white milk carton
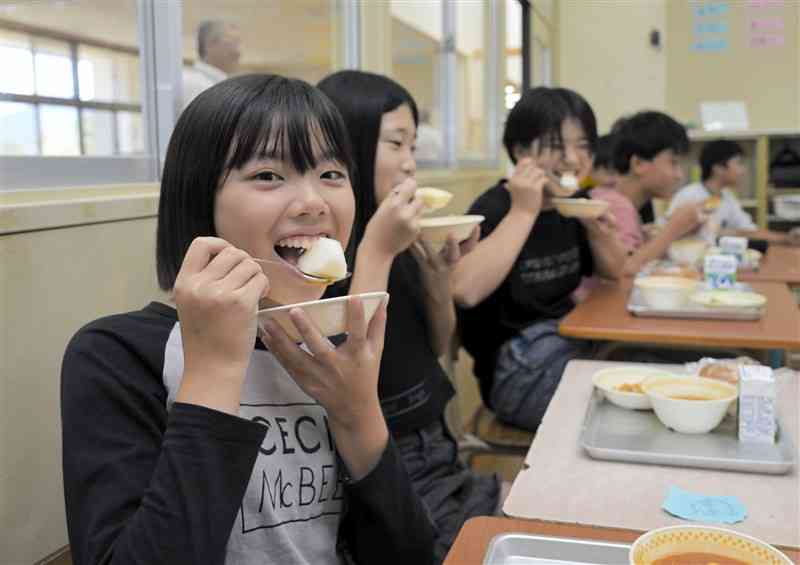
757,409
720,271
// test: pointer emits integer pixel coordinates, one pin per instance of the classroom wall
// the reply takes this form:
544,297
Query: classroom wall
715,55
735,50
53,281
603,53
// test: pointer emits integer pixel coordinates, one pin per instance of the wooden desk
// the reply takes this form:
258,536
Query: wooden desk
473,539
563,484
781,264
603,315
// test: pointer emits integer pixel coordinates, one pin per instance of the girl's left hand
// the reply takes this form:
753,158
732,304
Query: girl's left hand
344,379
445,259
604,225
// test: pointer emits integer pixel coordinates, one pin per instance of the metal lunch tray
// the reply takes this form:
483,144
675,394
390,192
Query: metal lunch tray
637,436
637,307
525,549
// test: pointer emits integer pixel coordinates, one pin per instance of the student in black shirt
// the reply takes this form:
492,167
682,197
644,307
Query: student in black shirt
187,439
516,285
382,120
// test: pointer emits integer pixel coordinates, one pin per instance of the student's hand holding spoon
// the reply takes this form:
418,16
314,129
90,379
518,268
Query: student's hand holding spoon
216,293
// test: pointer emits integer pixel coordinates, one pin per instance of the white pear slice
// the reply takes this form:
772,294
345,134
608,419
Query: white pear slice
324,259
434,198
570,181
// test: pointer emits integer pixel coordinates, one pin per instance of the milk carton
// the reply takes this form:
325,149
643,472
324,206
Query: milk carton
757,410
720,271
736,246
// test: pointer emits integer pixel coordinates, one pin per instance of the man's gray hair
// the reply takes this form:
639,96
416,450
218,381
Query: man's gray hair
208,31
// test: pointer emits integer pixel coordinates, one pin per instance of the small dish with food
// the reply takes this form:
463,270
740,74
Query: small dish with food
622,386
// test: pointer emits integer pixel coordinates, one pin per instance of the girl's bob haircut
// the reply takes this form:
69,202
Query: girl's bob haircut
224,128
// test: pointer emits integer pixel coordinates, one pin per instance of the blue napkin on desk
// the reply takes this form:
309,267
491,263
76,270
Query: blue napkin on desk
703,508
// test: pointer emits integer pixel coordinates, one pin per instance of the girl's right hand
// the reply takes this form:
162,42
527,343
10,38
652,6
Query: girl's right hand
395,224
526,186
216,293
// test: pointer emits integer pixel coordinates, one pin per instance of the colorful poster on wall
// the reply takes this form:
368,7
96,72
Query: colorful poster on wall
765,23
710,27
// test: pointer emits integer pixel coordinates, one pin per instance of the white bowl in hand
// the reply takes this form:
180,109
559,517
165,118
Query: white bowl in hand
690,405
688,251
329,315
436,230
665,293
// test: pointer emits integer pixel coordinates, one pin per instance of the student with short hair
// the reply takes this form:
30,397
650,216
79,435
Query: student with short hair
722,170
646,148
382,118
192,436
515,286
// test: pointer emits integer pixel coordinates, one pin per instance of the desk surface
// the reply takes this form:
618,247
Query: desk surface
604,315
473,539
781,264
563,484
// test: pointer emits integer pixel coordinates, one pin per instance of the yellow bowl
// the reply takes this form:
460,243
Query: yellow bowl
690,405
580,207
675,540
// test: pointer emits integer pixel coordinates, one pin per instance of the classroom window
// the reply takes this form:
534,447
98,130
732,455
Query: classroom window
416,46
65,88
72,87
471,66
513,83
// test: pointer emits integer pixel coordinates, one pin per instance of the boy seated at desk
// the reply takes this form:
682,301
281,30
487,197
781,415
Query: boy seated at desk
515,286
645,149
722,170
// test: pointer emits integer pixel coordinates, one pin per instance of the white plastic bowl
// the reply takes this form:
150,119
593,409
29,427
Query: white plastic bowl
608,379
665,293
787,206
580,207
674,540
329,315
689,251
435,230
670,403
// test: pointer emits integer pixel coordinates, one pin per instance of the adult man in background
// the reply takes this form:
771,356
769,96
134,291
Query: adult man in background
218,50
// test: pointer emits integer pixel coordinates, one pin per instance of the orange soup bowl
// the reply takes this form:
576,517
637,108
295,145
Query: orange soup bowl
702,544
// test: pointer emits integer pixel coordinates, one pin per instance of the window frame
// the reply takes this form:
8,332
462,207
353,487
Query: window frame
155,20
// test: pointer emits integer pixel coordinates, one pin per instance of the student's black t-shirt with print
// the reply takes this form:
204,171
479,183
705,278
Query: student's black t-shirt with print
549,268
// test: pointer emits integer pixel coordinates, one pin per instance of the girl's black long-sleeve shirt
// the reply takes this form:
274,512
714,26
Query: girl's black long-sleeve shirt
148,480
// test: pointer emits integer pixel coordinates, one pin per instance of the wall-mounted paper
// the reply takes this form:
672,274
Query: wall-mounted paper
711,9
759,41
710,45
766,24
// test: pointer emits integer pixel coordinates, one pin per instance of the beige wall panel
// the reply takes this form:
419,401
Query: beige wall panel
766,78
604,54
53,282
